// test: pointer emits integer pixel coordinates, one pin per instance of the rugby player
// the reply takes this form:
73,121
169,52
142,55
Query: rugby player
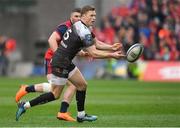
54,41
76,38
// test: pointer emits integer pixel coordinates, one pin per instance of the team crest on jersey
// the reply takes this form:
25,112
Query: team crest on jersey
88,37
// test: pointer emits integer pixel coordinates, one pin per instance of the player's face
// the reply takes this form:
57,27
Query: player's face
90,18
75,16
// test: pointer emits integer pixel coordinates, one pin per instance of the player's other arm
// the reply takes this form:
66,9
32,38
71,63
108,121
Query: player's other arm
56,36
53,41
103,46
99,54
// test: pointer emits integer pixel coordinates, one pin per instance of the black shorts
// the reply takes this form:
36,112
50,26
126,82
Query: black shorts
62,66
62,71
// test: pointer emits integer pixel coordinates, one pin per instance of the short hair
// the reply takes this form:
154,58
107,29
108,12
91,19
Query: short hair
76,10
87,8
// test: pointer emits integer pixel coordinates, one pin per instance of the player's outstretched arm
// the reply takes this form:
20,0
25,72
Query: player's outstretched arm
103,46
100,54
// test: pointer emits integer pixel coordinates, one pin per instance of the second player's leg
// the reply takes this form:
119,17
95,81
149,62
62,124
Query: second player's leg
42,87
25,89
69,92
67,98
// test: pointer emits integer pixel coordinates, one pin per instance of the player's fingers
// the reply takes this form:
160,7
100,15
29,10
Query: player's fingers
122,55
119,52
86,54
119,56
118,44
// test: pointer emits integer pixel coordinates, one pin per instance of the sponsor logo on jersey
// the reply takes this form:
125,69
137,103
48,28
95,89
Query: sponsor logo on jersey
88,39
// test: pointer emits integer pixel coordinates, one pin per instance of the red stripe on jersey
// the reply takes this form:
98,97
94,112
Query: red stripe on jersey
68,23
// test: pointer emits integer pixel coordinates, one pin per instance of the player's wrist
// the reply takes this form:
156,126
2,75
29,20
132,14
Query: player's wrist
111,55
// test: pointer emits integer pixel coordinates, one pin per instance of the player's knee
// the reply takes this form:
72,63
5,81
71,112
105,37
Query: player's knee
82,86
85,84
56,95
72,87
56,90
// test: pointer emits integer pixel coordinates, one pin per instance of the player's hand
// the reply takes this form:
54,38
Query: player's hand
118,55
116,46
83,53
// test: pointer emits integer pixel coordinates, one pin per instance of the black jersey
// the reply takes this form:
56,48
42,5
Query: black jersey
76,38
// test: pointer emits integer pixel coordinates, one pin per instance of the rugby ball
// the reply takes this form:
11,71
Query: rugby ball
134,52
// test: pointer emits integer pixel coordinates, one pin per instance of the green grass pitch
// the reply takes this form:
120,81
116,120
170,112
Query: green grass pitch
116,103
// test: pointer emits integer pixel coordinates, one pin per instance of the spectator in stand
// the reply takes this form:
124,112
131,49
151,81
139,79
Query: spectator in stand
167,44
7,45
99,34
108,31
156,24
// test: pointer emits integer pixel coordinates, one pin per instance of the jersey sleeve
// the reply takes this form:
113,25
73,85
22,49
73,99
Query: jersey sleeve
85,34
61,29
87,40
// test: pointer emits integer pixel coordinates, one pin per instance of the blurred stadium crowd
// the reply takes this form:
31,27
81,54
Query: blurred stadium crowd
154,23
7,46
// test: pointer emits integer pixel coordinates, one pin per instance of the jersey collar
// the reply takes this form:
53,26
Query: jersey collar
70,22
84,23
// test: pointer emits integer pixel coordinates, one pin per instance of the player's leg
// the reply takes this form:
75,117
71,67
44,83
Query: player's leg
78,80
42,99
63,113
69,93
57,81
45,87
25,89
41,87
